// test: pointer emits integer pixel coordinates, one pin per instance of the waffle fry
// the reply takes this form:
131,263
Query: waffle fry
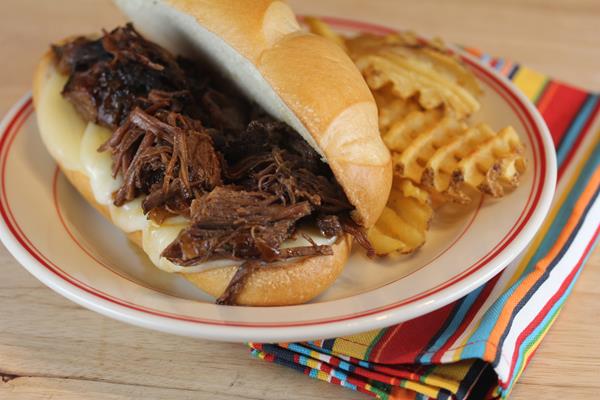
430,132
410,77
404,131
391,108
413,67
320,28
480,158
410,67
495,165
404,222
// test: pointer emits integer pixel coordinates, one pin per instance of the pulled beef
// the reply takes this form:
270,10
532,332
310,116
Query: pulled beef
167,157
237,283
110,76
190,144
233,223
273,176
329,225
79,54
352,228
271,157
336,225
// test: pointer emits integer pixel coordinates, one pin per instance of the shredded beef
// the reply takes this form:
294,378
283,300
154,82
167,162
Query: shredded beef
190,144
229,296
80,54
270,156
329,225
166,156
352,228
110,76
233,223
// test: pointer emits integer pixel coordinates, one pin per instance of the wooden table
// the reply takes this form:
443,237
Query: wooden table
52,348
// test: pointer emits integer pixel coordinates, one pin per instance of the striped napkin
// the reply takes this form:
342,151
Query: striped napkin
478,346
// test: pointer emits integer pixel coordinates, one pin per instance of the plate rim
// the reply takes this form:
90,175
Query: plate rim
366,320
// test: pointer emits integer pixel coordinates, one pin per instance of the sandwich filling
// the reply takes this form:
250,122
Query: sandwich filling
189,144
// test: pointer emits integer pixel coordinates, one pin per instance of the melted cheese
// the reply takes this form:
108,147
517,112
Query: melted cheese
76,144
98,165
157,237
129,217
61,127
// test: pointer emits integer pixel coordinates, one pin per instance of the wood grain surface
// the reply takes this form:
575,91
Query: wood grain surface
52,348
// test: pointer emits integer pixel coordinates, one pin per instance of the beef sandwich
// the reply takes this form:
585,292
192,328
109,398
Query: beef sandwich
232,147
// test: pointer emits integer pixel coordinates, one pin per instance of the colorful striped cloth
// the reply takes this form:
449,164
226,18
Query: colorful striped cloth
478,346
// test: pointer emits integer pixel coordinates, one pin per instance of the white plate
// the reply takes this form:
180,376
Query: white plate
62,241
